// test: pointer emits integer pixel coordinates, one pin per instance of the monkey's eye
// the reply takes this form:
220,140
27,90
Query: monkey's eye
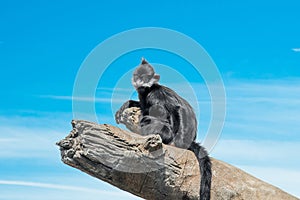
146,77
136,77
143,77
149,76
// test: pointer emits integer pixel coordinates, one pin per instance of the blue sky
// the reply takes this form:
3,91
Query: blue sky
255,44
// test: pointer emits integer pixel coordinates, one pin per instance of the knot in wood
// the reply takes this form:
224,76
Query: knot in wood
65,143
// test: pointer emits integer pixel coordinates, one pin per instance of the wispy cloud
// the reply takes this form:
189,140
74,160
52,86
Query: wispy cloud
88,99
34,136
25,146
286,179
50,186
86,192
115,89
272,161
259,152
255,109
26,142
34,119
296,49
263,109
260,108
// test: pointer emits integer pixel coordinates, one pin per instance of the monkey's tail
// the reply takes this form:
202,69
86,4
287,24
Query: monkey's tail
205,170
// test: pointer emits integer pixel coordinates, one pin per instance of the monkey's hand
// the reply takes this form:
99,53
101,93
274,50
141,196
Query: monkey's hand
127,104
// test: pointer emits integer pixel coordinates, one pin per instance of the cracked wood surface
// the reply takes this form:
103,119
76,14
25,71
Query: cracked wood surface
141,165
145,167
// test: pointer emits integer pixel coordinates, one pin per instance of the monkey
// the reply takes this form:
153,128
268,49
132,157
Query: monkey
166,113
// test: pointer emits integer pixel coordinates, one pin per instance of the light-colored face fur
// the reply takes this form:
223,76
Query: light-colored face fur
144,75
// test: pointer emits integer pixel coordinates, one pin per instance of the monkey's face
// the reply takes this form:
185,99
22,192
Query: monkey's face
144,76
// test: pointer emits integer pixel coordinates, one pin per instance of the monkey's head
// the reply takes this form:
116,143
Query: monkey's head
144,75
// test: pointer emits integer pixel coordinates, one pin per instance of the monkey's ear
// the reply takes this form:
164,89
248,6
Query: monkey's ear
144,61
156,77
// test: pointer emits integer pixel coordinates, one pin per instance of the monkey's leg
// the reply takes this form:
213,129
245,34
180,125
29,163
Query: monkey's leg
153,125
185,126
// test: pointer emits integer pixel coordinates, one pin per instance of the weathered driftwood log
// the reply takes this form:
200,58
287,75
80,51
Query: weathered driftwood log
143,166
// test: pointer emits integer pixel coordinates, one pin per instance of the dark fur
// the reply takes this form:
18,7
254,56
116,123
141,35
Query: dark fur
165,113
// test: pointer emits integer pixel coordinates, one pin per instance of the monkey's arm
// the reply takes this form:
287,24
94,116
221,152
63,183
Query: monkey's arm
127,104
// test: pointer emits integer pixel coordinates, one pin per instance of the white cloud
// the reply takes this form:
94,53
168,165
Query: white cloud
88,99
35,136
27,148
33,119
255,108
49,186
39,142
286,179
68,191
259,112
128,90
260,108
275,162
296,49
25,142
263,109
259,152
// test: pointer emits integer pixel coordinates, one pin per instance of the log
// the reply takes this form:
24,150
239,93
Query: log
145,167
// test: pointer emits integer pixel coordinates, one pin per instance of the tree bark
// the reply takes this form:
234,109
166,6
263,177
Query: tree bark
144,166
